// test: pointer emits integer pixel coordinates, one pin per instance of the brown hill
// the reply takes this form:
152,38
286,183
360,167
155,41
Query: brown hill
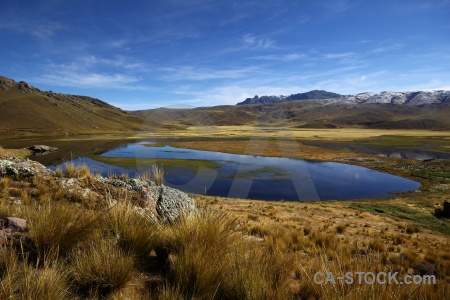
309,114
24,108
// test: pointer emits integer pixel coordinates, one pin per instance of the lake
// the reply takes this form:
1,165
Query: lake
245,176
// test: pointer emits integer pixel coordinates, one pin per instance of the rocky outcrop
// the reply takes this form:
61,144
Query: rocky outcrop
6,83
22,168
41,149
163,204
173,204
311,95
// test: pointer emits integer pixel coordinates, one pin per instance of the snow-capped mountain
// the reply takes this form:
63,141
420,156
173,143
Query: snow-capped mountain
410,98
399,98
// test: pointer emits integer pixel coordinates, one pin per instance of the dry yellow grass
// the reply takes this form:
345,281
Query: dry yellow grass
246,131
14,152
232,249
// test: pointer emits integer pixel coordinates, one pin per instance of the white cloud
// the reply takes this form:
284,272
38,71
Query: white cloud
339,55
198,74
281,57
252,41
90,80
45,31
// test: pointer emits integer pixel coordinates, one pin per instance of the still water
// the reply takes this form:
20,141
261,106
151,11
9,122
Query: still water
247,176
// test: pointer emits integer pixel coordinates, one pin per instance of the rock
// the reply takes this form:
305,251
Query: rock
9,226
15,224
42,149
161,203
6,83
23,168
173,204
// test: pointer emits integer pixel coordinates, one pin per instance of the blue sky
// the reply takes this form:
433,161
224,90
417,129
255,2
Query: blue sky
147,54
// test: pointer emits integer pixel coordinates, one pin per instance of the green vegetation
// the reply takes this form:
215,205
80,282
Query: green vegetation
167,164
399,212
440,174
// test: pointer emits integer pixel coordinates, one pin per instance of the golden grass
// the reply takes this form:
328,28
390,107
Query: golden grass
58,228
232,249
158,174
102,269
135,233
14,152
248,131
20,280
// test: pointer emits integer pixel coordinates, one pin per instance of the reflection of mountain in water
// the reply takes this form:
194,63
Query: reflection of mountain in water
385,151
417,155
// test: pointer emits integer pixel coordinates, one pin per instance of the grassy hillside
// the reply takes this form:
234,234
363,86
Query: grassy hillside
309,114
27,109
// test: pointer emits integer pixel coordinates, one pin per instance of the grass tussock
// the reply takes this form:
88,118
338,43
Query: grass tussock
135,233
158,175
59,228
101,269
20,280
73,171
210,260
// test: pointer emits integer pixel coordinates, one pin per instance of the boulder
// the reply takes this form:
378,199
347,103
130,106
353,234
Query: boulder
23,168
161,203
42,149
173,204
9,226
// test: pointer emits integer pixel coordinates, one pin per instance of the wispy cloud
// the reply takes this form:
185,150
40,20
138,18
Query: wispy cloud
344,58
46,31
193,73
252,41
387,48
91,80
233,93
119,61
24,26
84,73
339,55
281,57
337,6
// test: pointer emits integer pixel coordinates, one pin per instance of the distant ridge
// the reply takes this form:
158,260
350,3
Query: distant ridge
400,98
312,95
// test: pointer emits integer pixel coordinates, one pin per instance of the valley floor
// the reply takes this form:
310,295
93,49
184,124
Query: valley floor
399,234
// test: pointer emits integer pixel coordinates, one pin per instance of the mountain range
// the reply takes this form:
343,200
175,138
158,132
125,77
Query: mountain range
408,98
26,109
